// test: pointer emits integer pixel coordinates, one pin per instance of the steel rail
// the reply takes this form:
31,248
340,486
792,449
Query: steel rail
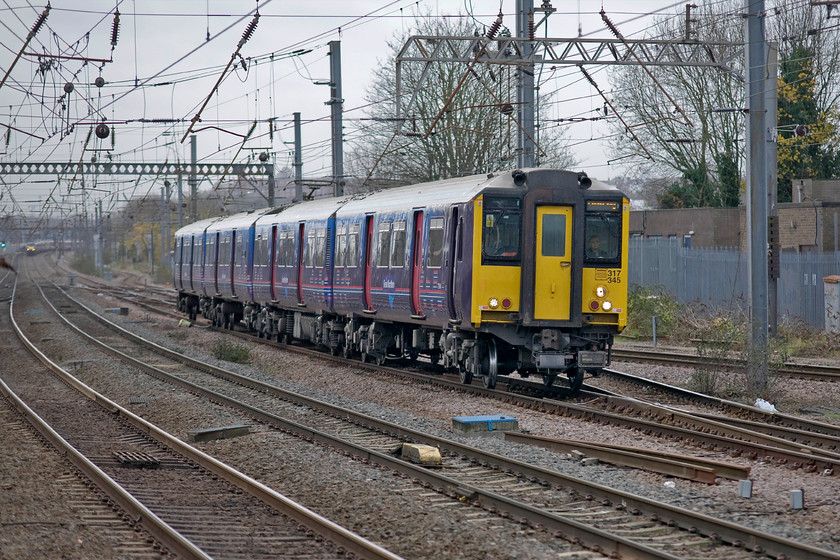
347,540
154,525
791,369
610,544
765,416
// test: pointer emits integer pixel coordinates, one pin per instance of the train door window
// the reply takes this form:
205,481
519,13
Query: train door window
288,248
554,235
341,247
602,231
309,259
501,230
434,257
398,248
320,247
383,244
243,252
260,251
224,249
353,246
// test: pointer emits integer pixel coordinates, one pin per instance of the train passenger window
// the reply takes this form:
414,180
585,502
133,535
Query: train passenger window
384,244
260,251
398,250
341,248
309,259
243,251
434,257
224,250
353,246
554,235
320,247
501,230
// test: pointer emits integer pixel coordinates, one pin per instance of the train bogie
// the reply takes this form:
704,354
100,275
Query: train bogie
487,275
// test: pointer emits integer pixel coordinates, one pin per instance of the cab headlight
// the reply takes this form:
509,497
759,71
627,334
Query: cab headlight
606,306
600,291
494,303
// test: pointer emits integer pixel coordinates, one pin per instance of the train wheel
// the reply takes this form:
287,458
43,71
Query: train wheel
490,366
575,379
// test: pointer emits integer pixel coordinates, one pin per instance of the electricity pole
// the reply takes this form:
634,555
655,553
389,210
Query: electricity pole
757,201
336,104
298,163
525,86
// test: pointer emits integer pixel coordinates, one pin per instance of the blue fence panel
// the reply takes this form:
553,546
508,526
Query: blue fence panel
719,277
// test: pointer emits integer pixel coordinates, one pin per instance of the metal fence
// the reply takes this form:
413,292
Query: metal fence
718,278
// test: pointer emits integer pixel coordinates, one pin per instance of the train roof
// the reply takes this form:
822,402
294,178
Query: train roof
195,227
318,209
422,195
242,220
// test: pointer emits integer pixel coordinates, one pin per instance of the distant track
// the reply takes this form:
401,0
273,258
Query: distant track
790,369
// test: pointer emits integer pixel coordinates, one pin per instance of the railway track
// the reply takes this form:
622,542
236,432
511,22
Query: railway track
796,370
593,514
195,506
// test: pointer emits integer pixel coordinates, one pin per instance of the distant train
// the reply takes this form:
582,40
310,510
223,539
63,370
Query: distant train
488,275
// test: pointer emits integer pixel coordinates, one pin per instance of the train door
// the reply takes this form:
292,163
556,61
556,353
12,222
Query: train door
272,265
216,254
301,246
232,263
368,260
454,249
416,263
553,264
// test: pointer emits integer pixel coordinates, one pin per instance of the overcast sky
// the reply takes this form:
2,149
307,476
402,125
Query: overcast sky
163,48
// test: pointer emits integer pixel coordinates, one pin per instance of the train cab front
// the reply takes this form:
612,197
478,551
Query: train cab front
574,298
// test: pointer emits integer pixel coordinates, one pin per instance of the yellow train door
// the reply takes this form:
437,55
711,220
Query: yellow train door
553,266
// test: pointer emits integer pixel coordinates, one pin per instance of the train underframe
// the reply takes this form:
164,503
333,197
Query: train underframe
488,353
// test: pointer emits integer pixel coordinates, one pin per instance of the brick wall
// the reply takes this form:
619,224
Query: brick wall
806,226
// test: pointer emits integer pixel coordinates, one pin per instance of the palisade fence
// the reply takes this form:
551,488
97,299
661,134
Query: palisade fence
719,279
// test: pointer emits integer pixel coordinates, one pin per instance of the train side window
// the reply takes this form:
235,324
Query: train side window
398,250
224,250
384,244
341,248
353,246
554,235
320,247
260,251
434,258
309,258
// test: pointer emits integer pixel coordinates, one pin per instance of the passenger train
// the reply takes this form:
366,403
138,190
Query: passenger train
522,271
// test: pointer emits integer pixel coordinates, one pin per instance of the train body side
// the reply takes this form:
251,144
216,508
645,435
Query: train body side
487,274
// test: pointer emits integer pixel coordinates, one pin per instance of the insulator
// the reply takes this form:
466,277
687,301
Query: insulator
40,22
610,24
531,25
495,27
8,135
249,30
588,77
115,29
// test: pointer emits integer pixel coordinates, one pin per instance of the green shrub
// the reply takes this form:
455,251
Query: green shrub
645,303
231,352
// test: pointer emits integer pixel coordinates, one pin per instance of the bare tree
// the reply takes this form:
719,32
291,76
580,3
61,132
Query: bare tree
705,149
475,134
